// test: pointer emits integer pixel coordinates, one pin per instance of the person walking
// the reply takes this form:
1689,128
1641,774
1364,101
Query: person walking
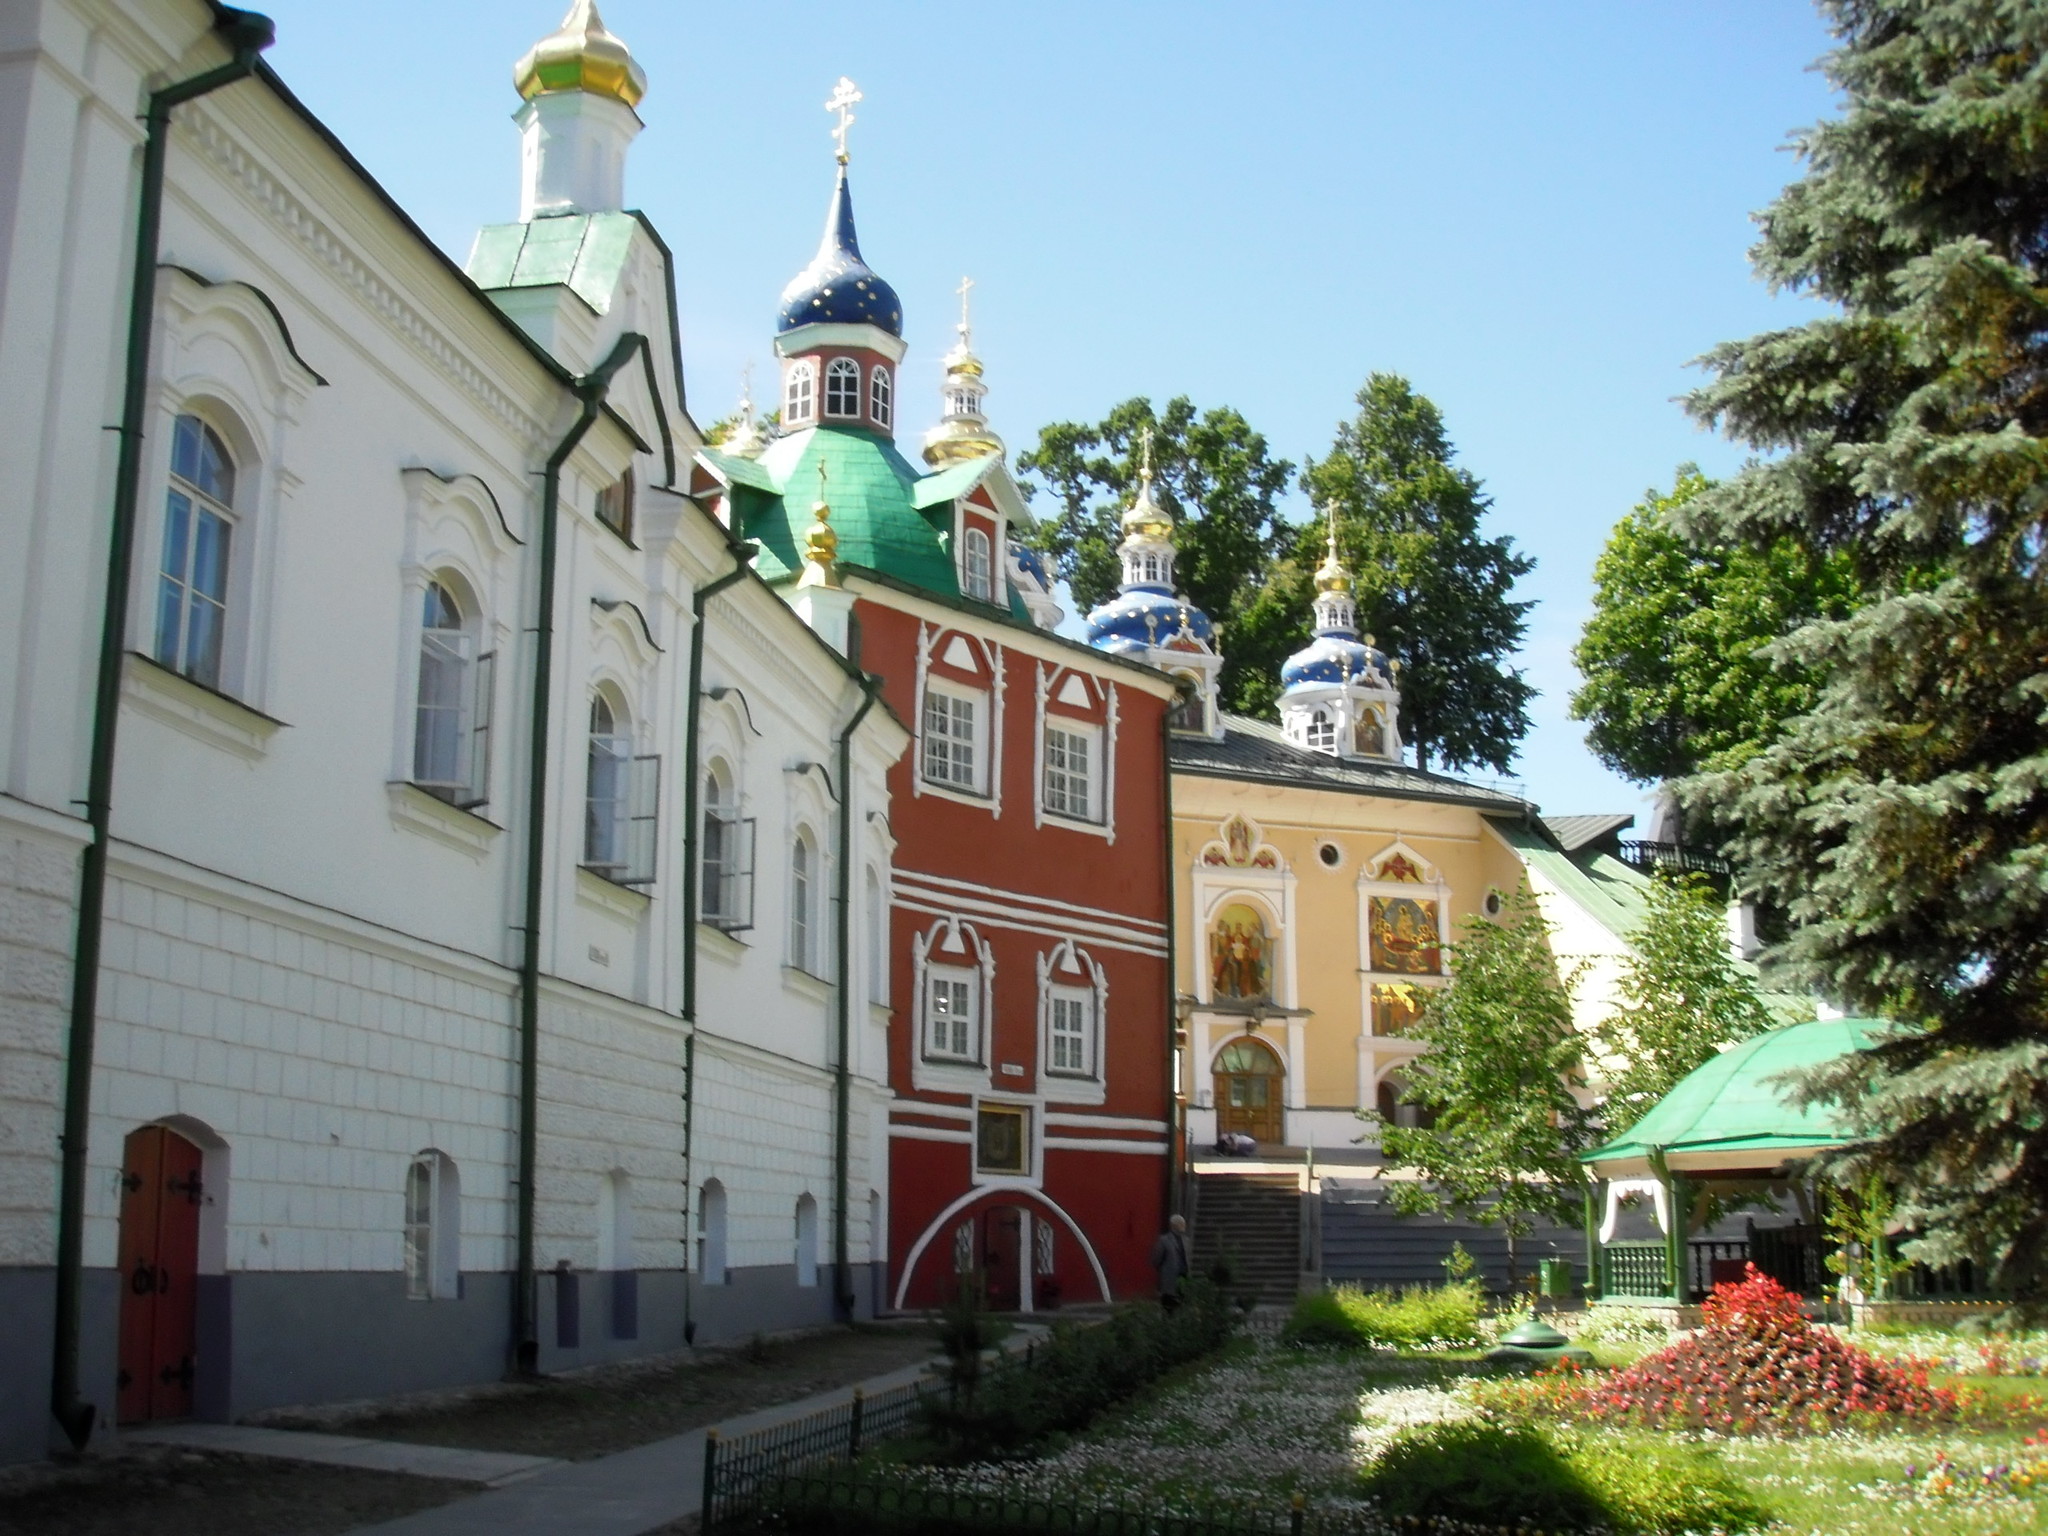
1170,1260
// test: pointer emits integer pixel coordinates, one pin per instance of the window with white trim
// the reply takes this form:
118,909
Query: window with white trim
615,506
1322,730
1072,770
451,744
877,923
842,387
725,857
881,396
799,393
806,1240
953,739
621,798
952,1013
1070,1032
977,570
433,1228
803,903
199,526
711,1267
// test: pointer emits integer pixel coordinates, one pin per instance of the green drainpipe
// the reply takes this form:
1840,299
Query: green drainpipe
842,1077
248,34
1176,1111
743,554
590,391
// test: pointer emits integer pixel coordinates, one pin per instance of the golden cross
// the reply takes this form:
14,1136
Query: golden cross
843,96
1146,473
965,284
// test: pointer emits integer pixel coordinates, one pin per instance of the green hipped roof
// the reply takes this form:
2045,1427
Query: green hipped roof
1735,1103
584,251
888,517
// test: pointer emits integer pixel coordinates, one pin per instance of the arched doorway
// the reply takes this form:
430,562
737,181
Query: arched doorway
161,1194
1248,1090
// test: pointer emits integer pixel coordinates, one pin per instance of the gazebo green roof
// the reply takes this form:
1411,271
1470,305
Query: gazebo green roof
1735,1114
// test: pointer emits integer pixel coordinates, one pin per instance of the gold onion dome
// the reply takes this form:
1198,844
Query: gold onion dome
1331,575
581,56
1146,519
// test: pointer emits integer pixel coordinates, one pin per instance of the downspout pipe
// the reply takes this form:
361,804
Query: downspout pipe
842,1076
1177,1151
590,391
693,787
247,34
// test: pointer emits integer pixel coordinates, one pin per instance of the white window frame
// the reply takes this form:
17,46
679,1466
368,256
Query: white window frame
1058,776
1319,728
842,389
977,564
432,1228
725,898
806,875
800,394
1070,1032
1070,980
621,799
943,749
881,396
456,769
962,1045
714,1258
181,588
806,1241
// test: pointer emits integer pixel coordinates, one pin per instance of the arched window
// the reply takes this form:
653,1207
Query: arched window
199,525
452,716
799,393
842,387
881,396
619,797
615,1221
806,1241
1322,730
877,921
1240,955
726,859
711,1232
1191,710
433,1228
975,566
803,903
1394,1108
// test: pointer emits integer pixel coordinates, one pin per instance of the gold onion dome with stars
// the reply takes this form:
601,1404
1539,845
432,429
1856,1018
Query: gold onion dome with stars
581,55
1331,575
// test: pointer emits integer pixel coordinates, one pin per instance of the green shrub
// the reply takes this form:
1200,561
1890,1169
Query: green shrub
1421,1317
1513,1475
1075,1374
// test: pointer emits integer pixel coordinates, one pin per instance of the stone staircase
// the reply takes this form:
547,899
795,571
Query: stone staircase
1254,1220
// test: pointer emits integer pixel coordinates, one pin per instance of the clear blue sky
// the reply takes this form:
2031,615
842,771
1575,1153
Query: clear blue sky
1539,214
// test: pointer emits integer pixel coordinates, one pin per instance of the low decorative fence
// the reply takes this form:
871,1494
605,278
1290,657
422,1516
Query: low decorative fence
1635,1269
740,1472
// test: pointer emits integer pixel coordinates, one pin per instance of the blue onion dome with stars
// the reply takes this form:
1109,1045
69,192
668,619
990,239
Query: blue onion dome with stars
1336,654
1032,563
838,287
1146,614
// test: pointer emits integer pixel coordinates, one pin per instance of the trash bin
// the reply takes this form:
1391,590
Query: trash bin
1554,1279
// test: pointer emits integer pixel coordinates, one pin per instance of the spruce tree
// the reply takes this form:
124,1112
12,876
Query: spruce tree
1432,589
1682,998
1503,1128
1902,822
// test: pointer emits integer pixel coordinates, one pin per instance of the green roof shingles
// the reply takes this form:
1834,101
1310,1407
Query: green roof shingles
584,251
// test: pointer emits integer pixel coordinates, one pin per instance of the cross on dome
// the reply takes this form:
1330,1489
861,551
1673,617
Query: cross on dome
842,100
966,330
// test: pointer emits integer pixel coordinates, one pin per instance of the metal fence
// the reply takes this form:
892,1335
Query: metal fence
740,1471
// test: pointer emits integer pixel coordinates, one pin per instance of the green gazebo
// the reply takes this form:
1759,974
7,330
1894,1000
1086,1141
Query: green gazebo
1727,1128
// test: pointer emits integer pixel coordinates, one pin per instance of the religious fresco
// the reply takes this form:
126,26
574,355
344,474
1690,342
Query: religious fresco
1405,938
1240,848
1240,955
1396,1006
1401,868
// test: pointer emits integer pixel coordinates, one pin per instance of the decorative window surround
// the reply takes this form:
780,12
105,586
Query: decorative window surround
1068,972
1104,823
992,654
951,943
414,810
1431,886
196,710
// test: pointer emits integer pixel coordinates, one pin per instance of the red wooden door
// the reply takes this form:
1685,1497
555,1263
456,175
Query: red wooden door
159,1253
1001,1251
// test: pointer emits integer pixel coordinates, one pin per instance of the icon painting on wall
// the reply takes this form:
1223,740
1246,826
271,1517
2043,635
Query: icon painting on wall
1240,955
1405,939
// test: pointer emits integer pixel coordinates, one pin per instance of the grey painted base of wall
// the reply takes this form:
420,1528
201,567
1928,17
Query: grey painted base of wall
270,1340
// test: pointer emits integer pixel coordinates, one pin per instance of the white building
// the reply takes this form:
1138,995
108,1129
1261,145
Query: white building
335,906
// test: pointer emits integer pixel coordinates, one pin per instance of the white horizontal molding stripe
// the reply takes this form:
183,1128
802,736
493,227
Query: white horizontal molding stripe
1105,1122
1089,1144
929,1133
1021,899
1003,920
960,1112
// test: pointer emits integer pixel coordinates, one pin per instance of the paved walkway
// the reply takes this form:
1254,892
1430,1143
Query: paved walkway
489,1469
628,1494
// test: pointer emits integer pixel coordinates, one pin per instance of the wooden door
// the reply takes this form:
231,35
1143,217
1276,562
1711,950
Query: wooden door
1001,1254
159,1254
1248,1085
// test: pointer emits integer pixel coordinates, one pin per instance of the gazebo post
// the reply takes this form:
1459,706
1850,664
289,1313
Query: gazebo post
1594,1290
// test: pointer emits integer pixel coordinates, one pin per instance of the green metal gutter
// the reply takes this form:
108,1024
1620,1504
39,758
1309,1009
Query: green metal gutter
1176,1113
743,553
842,1077
590,390
248,34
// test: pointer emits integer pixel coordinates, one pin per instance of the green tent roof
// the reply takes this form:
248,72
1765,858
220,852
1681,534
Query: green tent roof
1735,1105
586,251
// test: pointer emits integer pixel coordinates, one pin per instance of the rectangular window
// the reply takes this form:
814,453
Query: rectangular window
952,743
728,865
621,812
1002,1139
192,593
615,506
952,1028
1073,1033
1070,772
